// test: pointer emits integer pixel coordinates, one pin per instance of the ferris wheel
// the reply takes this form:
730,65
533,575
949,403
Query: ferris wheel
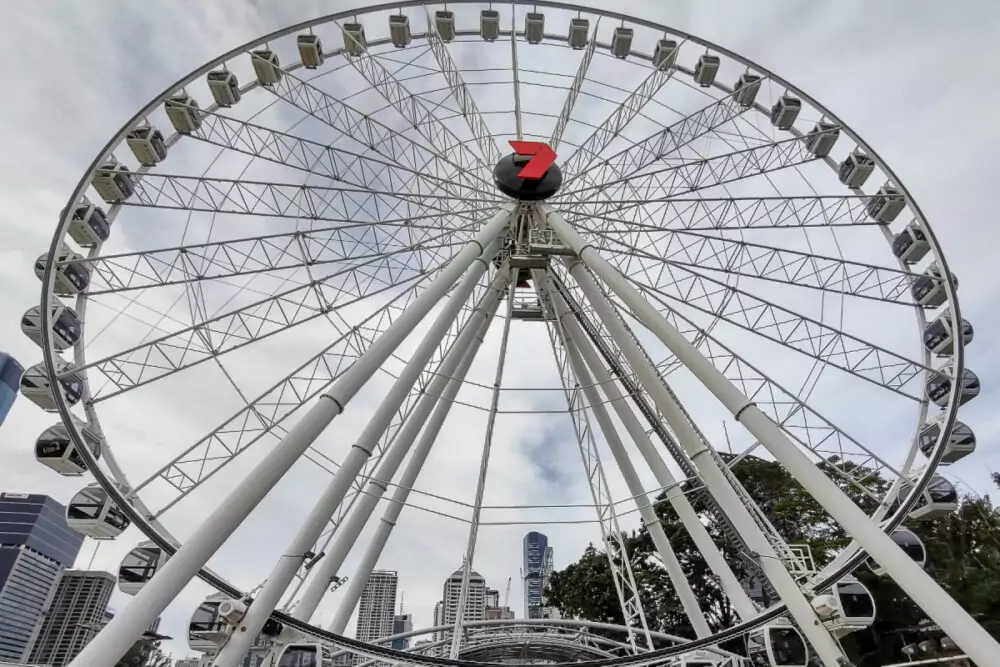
407,199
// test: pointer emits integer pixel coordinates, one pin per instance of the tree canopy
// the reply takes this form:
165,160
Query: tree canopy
145,653
963,553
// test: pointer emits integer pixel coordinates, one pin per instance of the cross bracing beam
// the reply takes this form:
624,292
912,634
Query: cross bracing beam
457,167
814,338
707,214
470,111
420,115
285,200
692,175
611,532
260,419
658,145
216,336
590,150
574,90
339,163
649,254
200,262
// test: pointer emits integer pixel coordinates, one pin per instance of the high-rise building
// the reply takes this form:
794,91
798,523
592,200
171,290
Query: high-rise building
492,598
35,546
75,616
475,601
438,618
547,566
401,623
533,549
377,606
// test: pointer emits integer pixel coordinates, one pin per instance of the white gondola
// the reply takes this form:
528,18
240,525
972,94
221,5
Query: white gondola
266,66
705,69
785,111
147,144
71,279
928,289
89,225
444,21
939,499
36,388
938,386
911,545
939,335
399,30
699,659
664,54
114,182
55,448
306,655
621,41
911,245
534,27
820,141
847,607
225,87
855,169
777,646
489,24
887,203
66,327
183,112
961,441
139,566
93,513
745,89
207,631
310,51
355,42
579,32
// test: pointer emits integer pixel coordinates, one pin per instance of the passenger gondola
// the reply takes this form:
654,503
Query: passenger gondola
579,32
57,450
207,630
89,225
785,111
939,335
939,499
66,327
224,86
311,50
705,69
777,646
928,289
114,182
820,141
961,442
847,607
911,545
183,112
489,25
939,385
147,144
665,54
306,655
72,275
36,388
266,66
138,567
93,513
911,244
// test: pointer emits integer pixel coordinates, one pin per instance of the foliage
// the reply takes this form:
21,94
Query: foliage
145,653
963,553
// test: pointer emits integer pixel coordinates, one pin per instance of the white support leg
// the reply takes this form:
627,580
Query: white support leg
772,566
484,463
681,585
685,512
357,582
347,535
284,570
918,584
121,633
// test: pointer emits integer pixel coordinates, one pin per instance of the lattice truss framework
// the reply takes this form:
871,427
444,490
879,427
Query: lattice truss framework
389,195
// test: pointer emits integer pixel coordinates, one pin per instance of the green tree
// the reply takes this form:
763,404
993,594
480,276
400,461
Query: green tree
145,653
963,553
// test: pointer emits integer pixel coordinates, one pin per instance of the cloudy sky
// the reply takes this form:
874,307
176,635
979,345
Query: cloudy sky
900,75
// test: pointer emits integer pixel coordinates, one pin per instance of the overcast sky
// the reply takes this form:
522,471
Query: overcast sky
902,75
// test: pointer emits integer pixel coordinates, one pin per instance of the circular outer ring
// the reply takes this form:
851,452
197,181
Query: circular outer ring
834,572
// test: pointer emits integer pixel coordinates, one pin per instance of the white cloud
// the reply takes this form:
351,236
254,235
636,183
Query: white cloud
890,73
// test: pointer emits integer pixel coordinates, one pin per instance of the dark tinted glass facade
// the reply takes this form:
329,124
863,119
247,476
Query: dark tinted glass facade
10,381
533,553
39,523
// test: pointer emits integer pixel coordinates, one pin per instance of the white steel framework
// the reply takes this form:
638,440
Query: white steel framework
686,263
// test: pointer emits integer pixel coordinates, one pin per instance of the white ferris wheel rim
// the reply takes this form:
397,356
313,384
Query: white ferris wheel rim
158,535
